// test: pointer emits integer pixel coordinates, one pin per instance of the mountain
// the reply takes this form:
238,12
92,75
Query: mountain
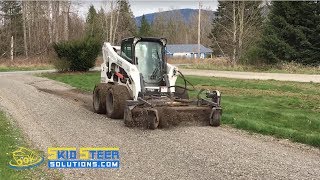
186,14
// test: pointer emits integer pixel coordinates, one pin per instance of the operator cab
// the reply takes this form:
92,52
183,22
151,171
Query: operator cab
148,54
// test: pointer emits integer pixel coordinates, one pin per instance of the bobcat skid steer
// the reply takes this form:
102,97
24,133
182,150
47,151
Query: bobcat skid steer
137,84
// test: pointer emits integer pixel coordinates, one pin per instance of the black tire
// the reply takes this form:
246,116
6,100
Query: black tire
153,120
116,97
216,118
181,93
99,98
127,116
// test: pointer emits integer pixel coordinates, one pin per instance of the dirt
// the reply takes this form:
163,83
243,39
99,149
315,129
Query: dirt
80,97
171,116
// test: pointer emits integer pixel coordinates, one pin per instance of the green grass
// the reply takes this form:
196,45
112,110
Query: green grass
290,68
83,81
11,138
283,109
24,68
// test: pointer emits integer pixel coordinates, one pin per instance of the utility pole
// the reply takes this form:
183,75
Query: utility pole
199,29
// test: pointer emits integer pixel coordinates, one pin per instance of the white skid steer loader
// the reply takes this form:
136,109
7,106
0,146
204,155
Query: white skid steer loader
137,84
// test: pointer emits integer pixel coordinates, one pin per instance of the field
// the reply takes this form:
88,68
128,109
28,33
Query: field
11,138
19,64
24,68
221,64
287,110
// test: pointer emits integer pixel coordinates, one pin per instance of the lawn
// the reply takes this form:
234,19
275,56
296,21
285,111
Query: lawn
288,110
11,138
223,65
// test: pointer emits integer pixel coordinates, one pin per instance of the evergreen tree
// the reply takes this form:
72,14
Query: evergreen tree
292,33
95,24
91,22
126,25
145,29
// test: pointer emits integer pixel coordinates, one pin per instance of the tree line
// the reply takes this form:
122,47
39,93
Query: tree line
34,26
243,31
266,32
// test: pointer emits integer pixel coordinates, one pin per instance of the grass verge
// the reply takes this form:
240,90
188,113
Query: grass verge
25,68
288,110
11,139
223,65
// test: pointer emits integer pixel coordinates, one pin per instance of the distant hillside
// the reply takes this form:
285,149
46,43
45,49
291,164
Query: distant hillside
186,13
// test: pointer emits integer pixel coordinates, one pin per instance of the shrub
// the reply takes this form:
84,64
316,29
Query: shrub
79,55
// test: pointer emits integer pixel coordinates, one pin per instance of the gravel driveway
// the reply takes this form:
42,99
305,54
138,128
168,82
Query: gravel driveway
40,107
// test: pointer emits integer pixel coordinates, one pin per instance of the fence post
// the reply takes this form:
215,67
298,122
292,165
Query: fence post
11,50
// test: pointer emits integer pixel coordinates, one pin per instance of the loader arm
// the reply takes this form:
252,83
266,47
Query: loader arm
112,64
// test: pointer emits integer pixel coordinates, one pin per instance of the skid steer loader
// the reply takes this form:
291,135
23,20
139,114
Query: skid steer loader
138,84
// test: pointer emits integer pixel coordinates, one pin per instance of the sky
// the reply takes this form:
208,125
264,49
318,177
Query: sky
140,7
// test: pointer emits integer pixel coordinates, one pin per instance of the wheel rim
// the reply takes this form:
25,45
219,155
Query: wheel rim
109,103
96,100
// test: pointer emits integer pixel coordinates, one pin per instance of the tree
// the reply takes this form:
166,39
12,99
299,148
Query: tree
12,27
126,24
236,28
91,21
171,25
145,29
292,33
192,31
35,25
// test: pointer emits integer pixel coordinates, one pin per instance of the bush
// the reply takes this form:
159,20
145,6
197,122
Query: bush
77,55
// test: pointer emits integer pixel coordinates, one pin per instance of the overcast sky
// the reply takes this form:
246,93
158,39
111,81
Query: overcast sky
140,7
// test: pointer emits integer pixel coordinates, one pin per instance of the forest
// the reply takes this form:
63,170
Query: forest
245,32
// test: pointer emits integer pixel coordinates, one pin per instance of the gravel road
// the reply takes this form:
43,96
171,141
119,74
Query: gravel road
48,119
254,75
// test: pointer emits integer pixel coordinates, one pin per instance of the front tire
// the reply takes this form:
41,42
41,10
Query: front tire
116,98
215,117
153,119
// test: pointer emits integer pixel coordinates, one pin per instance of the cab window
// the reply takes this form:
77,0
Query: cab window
126,51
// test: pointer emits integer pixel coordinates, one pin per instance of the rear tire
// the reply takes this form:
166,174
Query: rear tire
116,97
181,93
99,98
